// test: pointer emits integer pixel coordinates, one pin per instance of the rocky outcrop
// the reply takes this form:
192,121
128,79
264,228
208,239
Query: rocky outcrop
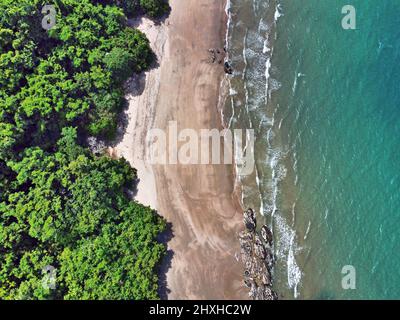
218,56
257,258
250,220
228,67
266,234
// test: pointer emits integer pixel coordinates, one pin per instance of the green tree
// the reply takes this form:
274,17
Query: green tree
155,8
65,203
60,205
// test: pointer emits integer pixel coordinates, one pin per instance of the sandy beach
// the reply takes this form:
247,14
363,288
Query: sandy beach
142,91
199,201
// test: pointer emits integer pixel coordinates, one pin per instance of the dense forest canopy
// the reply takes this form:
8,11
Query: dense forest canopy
60,205
153,8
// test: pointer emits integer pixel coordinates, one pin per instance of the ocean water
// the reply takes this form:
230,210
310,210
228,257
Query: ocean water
325,106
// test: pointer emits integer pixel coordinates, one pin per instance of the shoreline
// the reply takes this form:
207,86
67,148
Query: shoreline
200,202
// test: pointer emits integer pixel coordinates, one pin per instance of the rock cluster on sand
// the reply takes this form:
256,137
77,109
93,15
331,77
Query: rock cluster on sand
257,258
219,55
228,67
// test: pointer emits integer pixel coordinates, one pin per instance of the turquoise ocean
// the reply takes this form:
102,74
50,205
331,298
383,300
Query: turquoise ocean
325,106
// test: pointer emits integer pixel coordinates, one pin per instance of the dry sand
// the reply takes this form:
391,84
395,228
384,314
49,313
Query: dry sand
198,200
142,95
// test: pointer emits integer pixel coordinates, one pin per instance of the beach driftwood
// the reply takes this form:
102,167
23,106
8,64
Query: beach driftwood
257,258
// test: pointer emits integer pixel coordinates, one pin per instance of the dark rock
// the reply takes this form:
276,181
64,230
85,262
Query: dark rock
228,68
260,251
257,258
266,234
247,282
250,220
245,240
253,291
266,279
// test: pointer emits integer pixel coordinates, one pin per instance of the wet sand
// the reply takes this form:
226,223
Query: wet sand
199,200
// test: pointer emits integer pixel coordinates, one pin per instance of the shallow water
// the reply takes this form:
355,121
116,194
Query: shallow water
324,103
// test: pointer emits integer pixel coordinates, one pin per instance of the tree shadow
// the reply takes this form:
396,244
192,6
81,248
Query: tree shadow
136,84
136,20
132,190
133,87
166,263
161,20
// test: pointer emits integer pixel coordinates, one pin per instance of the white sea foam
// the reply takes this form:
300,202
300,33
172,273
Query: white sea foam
266,48
278,13
267,67
263,26
229,24
232,114
244,55
295,164
294,272
280,124
232,92
307,231
286,248
278,170
286,238
294,83
275,85
259,192
294,213
326,213
258,86
227,7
